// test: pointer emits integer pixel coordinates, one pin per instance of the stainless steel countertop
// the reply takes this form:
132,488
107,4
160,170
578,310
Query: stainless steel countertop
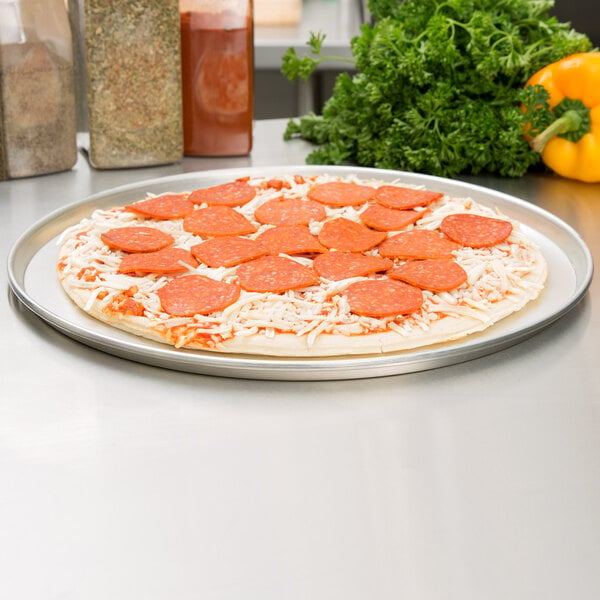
123,481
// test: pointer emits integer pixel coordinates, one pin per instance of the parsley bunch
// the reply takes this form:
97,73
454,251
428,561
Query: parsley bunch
437,87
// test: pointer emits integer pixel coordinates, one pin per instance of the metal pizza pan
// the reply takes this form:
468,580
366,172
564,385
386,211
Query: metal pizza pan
32,277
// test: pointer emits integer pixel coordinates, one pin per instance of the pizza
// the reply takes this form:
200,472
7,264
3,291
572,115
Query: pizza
300,266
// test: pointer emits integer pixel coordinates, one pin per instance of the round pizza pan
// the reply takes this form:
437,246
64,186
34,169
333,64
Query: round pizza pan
32,277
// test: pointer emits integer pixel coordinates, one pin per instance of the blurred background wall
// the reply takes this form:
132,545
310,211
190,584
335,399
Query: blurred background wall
584,15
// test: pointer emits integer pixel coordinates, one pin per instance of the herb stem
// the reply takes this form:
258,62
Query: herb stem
325,57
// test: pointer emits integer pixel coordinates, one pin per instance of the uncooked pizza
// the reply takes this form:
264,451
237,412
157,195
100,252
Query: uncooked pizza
320,265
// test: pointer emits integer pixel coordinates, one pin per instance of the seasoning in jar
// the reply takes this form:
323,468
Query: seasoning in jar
37,99
217,66
133,67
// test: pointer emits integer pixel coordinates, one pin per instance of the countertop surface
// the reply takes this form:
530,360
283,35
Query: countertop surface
120,480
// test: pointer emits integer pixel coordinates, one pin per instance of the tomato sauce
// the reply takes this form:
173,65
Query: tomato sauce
217,65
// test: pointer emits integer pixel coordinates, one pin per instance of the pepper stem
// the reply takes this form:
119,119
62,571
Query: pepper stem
572,123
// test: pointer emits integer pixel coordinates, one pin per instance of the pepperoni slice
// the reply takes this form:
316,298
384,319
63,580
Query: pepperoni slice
167,206
290,239
475,231
349,236
228,251
196,295
137,239
402,198
383,298
383,218
235,193
436,275
275,274
418,243
341,193
336,266
289,211
217,221
167,260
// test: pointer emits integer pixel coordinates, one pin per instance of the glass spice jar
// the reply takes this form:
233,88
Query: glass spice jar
217,67
133,82
38,122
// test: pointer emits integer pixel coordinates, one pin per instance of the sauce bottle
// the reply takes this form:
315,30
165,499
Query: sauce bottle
217,67
38,120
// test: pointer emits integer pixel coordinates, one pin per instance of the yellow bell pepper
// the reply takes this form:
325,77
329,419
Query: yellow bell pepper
570,146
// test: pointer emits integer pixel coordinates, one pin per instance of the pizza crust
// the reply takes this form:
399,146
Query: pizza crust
443,328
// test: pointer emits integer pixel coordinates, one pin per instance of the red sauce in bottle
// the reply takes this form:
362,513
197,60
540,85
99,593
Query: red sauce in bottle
217,67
